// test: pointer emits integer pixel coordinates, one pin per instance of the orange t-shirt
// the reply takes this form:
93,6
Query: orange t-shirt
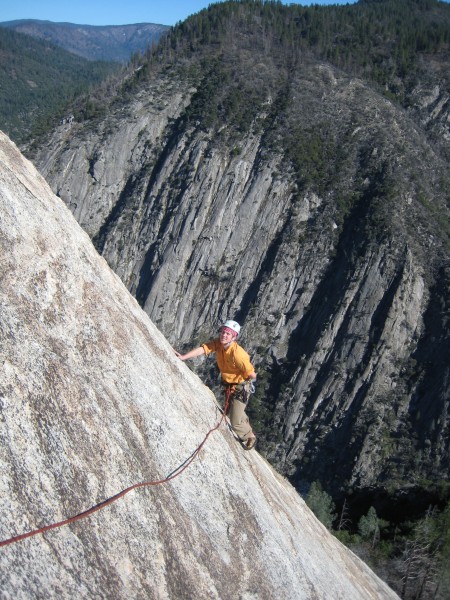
234,362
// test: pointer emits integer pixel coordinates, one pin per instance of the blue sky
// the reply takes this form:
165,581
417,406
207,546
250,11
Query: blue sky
112,12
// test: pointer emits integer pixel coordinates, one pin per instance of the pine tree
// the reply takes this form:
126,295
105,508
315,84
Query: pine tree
369,527
321,504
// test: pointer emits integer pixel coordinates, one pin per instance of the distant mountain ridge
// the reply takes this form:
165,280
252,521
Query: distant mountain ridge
114,43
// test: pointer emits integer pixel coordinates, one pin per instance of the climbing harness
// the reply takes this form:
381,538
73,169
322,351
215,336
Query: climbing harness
240,391
175,473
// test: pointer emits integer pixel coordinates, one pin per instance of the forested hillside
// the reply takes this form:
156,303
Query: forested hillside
38,80
288,166
395,44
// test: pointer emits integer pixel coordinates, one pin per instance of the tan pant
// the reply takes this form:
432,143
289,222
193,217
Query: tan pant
236,412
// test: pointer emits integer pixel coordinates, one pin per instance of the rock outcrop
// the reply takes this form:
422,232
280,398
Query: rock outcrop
93,400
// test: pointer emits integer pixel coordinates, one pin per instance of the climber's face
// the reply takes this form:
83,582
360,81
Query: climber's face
227,336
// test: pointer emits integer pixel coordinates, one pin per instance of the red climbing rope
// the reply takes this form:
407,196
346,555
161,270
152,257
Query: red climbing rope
175,473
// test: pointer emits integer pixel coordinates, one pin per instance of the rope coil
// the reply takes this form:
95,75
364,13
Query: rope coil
175,473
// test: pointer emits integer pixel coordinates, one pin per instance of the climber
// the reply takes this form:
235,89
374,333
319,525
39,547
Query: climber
237,374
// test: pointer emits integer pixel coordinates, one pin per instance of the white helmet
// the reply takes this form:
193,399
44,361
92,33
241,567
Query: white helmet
233,326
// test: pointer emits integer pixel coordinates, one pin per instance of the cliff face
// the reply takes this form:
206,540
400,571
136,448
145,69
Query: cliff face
92,401
321,228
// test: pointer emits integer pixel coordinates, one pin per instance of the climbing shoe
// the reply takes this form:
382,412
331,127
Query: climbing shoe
248,444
